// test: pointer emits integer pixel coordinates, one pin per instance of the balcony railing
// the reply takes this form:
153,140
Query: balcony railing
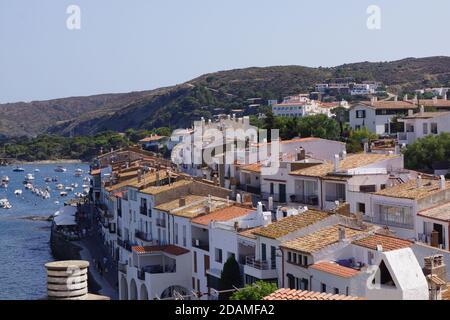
143,236
122,267
200,244
312,200
161,223
249,189
259,264
155,269
124,244
143,210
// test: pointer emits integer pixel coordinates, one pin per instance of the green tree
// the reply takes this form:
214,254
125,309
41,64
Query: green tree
230,277
357,138
421,154
256,291
319,126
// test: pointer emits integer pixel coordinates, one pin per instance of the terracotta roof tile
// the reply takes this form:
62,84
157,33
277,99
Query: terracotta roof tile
291,224
254,167
290,294
409,189
388,243
224,214
320,239
335,269
389,105
441,212
170,249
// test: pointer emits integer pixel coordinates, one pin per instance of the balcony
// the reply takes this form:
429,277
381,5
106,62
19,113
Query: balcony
122,267
143,236
312,200
249,189
161,223
124,244
143,211
263,270
200,244
155,269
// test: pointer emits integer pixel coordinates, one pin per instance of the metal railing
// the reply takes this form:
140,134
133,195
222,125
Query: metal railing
124,244
312,200
161,223
155,269
143,236
204,245
260,264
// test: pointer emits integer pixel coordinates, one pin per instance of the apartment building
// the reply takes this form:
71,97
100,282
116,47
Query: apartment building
299,106
353,261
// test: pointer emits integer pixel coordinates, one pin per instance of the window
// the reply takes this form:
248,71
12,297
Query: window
323,287
195,261
218,255
370,188
360,114
289,256
336,291
294,258
425,128
434,128
175,233
361,207
184,236
305,260
263,252
271,188
273,256
396,216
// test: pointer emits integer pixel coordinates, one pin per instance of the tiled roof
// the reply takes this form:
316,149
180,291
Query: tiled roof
320,239
223,214
291,224
335,269
146,179
175,204
388,105
428,115
254,167
409,189
170,249
388,243
441,212
250,233
352,161
160,189
434,103
289,294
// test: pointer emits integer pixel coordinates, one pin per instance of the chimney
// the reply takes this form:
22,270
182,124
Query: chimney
336,163
366,147
341,231
435,100
238,198
396,98
182,202
301,155
405,98
410,112
139,176
445,97
435,265
442,182
270,203
397,149
422,109
344,155
419,181
68,280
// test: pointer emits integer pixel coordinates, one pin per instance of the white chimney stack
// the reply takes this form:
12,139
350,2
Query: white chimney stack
344,155
366,147
270,203
422,109
410,112
341,234
336,162
260,208
419,181
442,182
238,198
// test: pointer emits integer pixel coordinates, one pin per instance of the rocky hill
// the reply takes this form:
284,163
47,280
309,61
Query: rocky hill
223,91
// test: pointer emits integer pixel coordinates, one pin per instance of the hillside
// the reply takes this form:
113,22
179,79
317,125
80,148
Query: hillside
178,106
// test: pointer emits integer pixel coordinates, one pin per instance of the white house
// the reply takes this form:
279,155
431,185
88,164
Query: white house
422,124
376,116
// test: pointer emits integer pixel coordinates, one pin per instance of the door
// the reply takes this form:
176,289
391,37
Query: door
282,188
206,263
439,229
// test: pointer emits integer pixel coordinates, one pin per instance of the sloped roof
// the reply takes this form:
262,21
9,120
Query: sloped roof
290,294
225,214
387,242
335,269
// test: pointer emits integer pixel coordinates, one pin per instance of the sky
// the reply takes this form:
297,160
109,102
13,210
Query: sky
134,45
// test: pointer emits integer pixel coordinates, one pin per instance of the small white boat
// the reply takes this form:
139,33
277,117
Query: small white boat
18,192
4,185
69,188
37,170
47,179
59,186
74,185
28,186
18,169
5,179
60,169
29,177
78,173
63,194
4,204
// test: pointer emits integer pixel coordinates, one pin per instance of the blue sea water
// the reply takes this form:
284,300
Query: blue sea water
24,244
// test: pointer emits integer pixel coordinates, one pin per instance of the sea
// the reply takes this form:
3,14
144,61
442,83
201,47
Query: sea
24,244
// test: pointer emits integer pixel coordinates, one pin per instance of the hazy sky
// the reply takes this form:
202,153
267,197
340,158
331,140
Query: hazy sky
143,44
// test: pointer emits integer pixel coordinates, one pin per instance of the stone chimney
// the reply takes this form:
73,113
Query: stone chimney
301,155
182,202
410,112
238,198
344,155
435,272
68,280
